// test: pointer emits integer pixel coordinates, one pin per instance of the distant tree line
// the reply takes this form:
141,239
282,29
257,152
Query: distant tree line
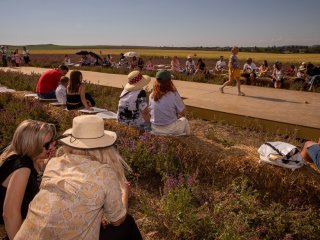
273,49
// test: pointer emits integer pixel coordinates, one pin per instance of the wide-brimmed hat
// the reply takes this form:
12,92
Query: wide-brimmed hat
189,57
88,132
136,81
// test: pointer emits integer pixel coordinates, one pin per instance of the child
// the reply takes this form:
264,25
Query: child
234,71
61,90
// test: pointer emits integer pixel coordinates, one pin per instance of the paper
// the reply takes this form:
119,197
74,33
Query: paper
95,110
31,95
57,104
107,115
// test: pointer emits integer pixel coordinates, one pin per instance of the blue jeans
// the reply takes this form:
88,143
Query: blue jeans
48,95
314,154
314,79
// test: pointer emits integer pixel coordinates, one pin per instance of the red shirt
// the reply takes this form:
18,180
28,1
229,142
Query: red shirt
48,81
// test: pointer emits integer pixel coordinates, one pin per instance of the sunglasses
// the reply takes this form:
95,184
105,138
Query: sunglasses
47,144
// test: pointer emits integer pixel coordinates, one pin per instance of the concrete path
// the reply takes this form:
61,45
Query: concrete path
275,105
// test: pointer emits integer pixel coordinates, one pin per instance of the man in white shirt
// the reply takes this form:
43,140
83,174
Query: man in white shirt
190,65
221,65
249,71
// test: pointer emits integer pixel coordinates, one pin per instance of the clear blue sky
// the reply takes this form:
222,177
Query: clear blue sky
161,22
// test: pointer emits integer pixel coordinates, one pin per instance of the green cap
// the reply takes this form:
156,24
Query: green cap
163,76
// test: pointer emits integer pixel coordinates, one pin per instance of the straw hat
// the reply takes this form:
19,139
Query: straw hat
88,132
136,81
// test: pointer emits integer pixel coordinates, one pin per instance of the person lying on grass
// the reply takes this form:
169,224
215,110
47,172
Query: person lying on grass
311,152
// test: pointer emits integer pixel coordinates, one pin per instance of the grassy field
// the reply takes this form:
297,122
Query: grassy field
257,57
209,185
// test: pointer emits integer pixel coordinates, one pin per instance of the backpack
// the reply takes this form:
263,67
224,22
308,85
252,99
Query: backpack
281,154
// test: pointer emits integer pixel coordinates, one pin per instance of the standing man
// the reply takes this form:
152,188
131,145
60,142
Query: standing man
3,52
49,81
26,55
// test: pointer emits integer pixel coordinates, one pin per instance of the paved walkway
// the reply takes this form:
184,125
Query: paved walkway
276,105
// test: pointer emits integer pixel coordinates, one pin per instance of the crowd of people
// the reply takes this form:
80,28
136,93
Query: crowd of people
47,193
13,58
307,73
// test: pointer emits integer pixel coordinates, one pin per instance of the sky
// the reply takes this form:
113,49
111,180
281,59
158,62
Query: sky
175,23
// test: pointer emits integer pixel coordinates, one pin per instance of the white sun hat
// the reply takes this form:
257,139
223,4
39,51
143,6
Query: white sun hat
88,132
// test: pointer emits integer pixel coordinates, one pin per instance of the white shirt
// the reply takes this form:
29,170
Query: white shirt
248,68
61,94
220,65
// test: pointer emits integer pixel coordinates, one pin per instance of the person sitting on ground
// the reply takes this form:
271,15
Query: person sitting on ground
221,65
167,109
311,152
48,82
133,107
302,71
133,63
84,184
21,162
190,65
277,75
110,60
264,69
76,93
123,62
312,76
201,67
175,65
249,71
140,63
26,55
61,90
291,71
67,60
149,66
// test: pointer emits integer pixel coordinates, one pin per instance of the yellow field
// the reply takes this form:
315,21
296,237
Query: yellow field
257,57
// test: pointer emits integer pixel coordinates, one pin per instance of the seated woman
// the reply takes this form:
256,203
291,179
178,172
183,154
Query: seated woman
133,63
277,75
85,182
149,66
311,152
201,67
291,71
167,109
67,60
175,65
21,162
133,107
264,69
76,94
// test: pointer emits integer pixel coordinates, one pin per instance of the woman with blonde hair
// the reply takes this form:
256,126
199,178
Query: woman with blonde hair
83,183
76,93
167,109
21,162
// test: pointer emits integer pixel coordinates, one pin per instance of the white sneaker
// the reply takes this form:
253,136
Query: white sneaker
241,94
